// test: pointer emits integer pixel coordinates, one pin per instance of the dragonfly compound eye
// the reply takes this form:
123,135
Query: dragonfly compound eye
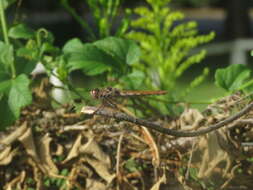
94,93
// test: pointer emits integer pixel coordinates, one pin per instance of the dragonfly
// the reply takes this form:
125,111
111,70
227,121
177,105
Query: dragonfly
109,95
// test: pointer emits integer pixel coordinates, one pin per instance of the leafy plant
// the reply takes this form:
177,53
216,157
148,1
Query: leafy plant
166,45
112,55
234,78
23,48
105,14
16,63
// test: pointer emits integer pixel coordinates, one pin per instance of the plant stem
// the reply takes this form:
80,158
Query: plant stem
3,22
69,86
5,35
71,11
120,116
246,85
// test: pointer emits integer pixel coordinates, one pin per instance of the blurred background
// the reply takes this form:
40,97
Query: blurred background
229,19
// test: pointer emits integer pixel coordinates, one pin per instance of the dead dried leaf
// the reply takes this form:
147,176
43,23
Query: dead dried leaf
74,150
27,140
156,186
59,150
16,182
153,146
92,148
6,155
102,169
94,184
191,119
14,135
212,153
45,156
125,185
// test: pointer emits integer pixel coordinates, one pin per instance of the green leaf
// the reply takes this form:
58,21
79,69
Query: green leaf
21,32
73,45
49,48
92,69
26,60
19,95
25,66
5,86
6,55
248,86
132,165
7,116
127,51
91,60
3,73
28,53
232,77
134,80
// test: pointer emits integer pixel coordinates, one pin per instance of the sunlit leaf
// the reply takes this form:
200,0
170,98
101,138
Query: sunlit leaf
91,60
232,77
19,95
73,45
7,117
6,58
127,51
21,31
5,86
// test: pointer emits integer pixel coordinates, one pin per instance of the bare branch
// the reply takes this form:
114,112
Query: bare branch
151,125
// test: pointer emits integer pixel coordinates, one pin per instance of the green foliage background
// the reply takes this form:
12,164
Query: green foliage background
166,47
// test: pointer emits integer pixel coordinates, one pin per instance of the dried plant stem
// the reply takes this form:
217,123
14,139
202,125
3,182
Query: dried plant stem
107,112
118,157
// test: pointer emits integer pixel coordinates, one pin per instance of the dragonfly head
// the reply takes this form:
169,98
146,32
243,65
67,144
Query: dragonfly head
95,93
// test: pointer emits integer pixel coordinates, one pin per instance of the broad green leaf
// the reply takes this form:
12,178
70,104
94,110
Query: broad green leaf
5,86
49,48
91,60
21,32
248,87
73,45
6,115
24,66
92,69
29,52
3,73
19,95
232,77
26,59
127,51
6,55
134,80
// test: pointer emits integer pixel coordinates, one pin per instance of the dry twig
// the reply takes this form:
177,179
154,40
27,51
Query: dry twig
107,112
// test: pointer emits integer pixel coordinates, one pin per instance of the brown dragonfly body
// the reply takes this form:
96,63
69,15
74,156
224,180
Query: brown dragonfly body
112,93
109,95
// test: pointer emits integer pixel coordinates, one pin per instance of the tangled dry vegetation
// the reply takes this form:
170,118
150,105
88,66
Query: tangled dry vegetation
57,149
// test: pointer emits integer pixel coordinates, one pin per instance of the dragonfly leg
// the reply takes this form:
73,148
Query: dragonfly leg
106,102
101,106
118,106
109,102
